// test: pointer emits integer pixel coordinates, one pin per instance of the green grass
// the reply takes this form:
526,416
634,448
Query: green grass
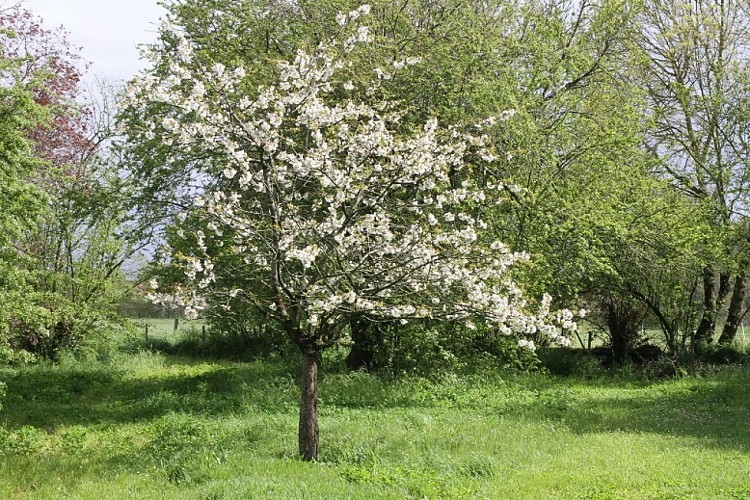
149,426
653,335
163,328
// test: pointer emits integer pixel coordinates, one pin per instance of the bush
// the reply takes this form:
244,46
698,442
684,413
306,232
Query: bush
44,332
10,356
424,349
570,361
103,339
236,344
724,354
45,325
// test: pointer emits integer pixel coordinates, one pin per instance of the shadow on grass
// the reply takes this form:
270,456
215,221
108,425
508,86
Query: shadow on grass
101,394
77,415
714,411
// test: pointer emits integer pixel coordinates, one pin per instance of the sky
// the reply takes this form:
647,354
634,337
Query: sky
108,31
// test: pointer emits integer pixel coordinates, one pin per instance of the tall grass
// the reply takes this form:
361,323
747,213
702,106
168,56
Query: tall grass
153,426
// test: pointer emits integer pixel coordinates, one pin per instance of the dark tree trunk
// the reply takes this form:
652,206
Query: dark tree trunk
713,301
705,329
365,341
623,318
308,407
734,315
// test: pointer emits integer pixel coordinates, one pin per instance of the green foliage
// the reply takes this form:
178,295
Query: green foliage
41,324
40,320
20,201
646,363
426,349
568,362
725,354
61,210
263,341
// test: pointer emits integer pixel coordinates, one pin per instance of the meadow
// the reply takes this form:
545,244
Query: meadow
148,425
164,328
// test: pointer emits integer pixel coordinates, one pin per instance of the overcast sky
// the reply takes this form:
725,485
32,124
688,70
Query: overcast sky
107,30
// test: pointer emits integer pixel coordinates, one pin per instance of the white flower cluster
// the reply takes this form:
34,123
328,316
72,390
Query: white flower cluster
180,297
334,207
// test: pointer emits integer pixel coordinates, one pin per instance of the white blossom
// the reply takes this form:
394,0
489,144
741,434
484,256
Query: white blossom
191,313
527,344
319,218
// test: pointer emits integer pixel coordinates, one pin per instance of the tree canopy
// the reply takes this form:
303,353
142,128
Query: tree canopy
332,205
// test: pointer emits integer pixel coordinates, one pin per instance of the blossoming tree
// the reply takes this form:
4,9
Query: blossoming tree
330,206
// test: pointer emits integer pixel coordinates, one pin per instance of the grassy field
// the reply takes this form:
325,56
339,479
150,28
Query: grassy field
651,335
164,327
150,426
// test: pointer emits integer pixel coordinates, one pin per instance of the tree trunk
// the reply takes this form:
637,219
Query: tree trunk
668,326
704,332
366,339
308,407
712,303
734,315
623,317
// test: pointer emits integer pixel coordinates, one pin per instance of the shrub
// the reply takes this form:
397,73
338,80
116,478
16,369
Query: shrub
423,349
104,338
44,335
724,354
48,326
569,361
237,344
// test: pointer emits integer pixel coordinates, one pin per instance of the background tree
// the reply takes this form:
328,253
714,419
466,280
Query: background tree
20,200
695,72
69,270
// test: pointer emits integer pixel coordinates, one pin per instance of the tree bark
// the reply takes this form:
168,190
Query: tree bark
308,408
367,340
668,326
734,315
361,354
623,318
712,303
